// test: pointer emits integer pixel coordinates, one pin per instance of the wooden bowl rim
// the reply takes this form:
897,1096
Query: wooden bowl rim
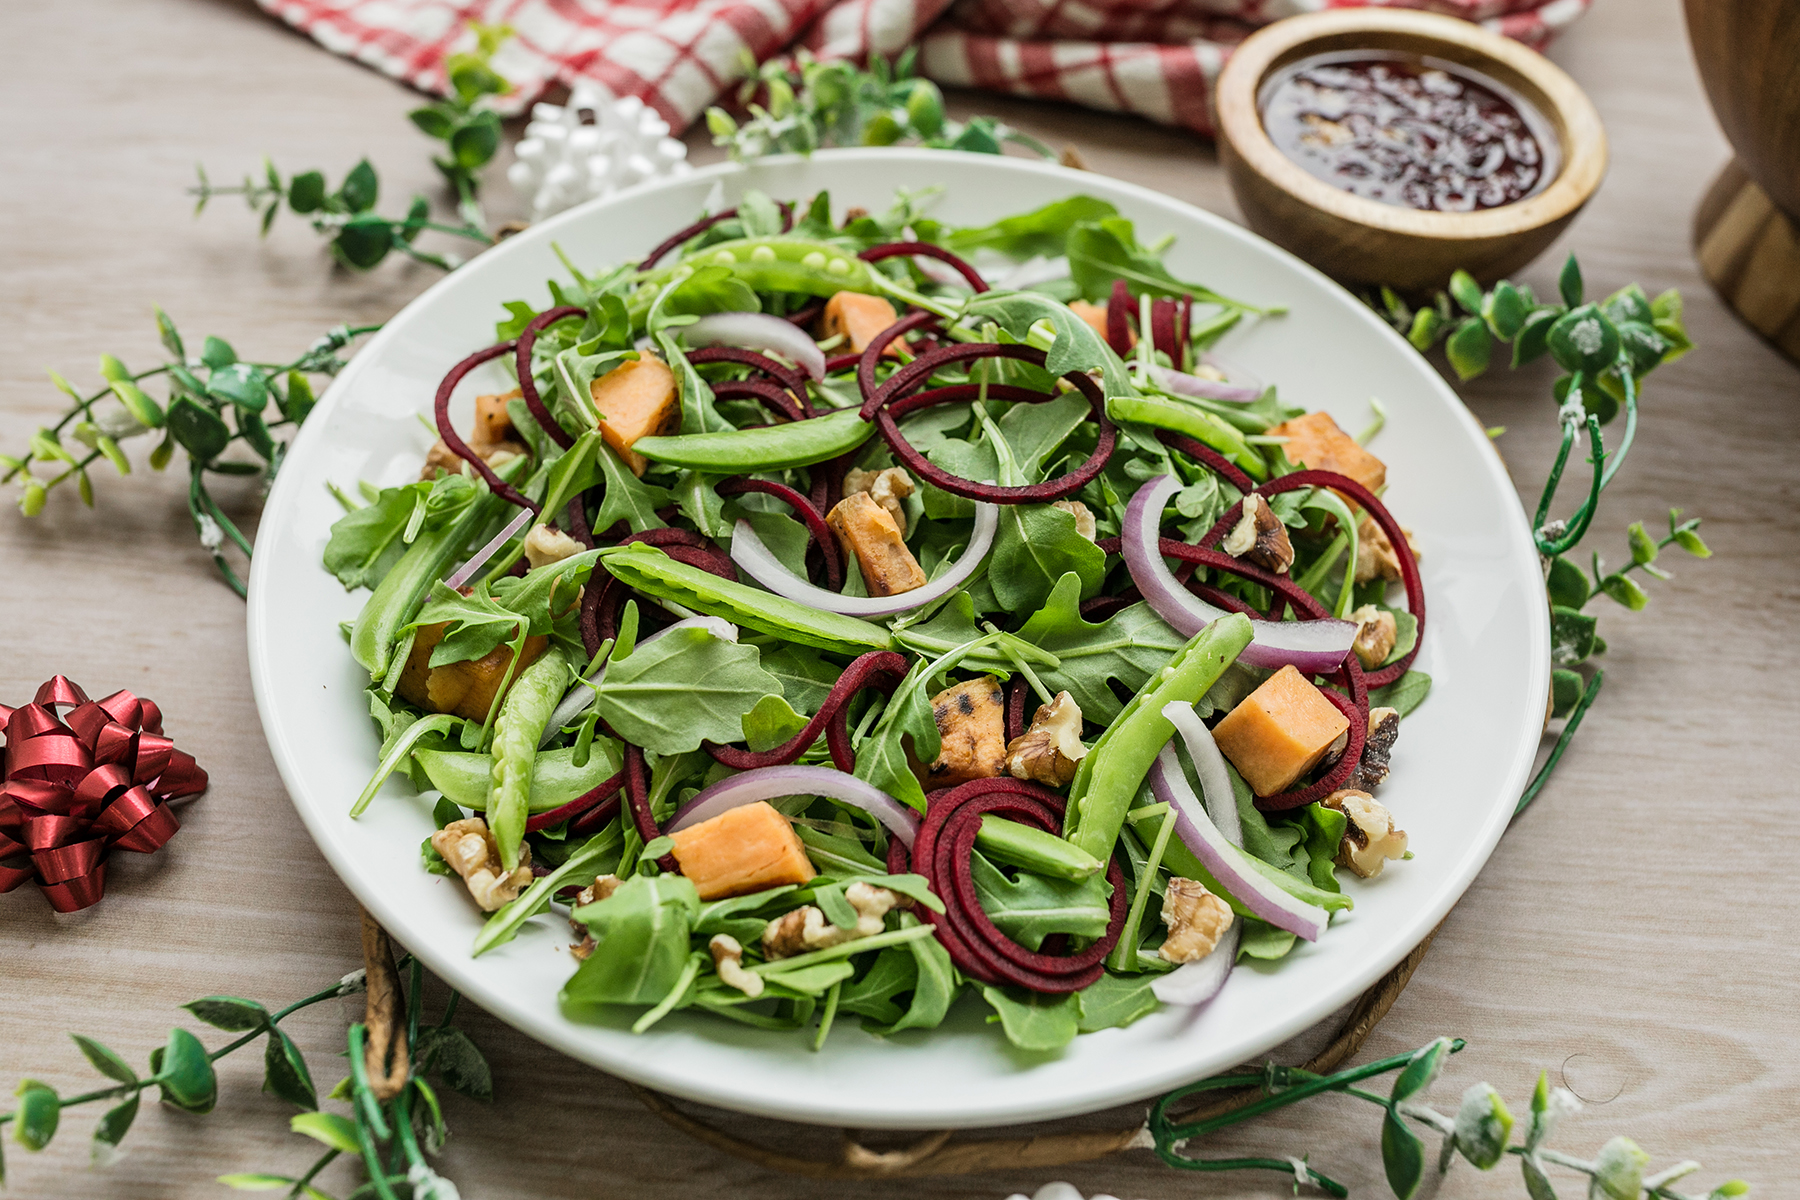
1568,109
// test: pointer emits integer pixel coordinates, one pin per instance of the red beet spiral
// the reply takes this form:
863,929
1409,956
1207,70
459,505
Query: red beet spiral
1209,457
789,378
600,803
454,442
528,385
871,354
805,509
881,669
926,250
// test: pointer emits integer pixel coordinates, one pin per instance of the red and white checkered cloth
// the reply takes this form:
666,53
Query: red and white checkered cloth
1157,58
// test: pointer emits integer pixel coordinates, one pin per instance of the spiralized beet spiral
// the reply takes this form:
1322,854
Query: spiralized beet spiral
881,669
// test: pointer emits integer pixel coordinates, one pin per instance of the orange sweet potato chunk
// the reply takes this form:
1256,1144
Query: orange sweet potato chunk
465,689
493,424
743,850
636,399
1279,732
1095,316
870,536
1316,441
859,317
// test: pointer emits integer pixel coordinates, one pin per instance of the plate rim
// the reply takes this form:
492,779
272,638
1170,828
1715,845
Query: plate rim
832,1110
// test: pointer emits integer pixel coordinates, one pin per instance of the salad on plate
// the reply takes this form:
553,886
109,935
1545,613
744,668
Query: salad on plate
841,613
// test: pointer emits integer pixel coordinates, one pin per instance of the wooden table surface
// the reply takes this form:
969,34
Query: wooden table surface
1631,935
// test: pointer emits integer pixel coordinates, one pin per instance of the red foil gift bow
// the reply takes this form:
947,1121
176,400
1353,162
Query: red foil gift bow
77,786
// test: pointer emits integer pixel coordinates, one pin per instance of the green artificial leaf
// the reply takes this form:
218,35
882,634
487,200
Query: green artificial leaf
1402,1155
1126,648
1732,1188
285,1074
626,497
1571,636
306,192
1042,231
1404,694
977,137
256,1181
642,931
448,1053
1114,1001
1533,339
1033,1021
168,334
1038,546
1619,1170
1537,1183
1643,546
1689,540
417,213
1483,1127
1626,591
143,409
1029,907
328,1129
1566,583
1421,1071
111,1128
1568,283
364,240
1645,348
361,188
1584,340
1466,292
1506,310
1426,325
688,686
770,723
217,353
104,1060
474,144
1565,691
35,1117
299,400
255,432
200,430
185,1074
1470,348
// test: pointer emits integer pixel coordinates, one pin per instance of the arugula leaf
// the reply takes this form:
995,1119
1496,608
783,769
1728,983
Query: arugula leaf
699,411
1032,1021
805,677
687,686
642,929
1076,348
1324,830
894,973
934,984
1037,547
1041,231
1404,694
367,542
1113,1001
770,723
626,497
1104,250
476,623
1128,647
1262,940
1030,907
1035,431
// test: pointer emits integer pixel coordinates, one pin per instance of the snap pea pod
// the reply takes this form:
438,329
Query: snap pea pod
523,715
1179,417
397,597
1110,777
771,448
779,264
1033,849
654,573
555,779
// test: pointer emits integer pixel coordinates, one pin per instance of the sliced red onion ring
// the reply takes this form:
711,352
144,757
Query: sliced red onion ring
1233,371
1315,647
758,562
1199,981
772,783
1183,384
580,698
1232,868
467,571
1209,764
758,331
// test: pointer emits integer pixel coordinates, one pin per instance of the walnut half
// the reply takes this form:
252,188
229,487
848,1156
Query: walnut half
1051,749
886,488
1259,537
805,928
1370,838
1196,919
1376,633
471,851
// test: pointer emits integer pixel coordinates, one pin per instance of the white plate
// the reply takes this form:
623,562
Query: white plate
1460,763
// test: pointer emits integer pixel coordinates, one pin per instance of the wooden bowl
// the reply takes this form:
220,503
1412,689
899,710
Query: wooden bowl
1365,242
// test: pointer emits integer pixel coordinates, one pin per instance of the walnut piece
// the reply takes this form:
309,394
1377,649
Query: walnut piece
1051,749
1370,838
1084,517
1384,730
728,960
546,545
1376,632
1259,537
886,488
806,928
1196,918
1375,557
471,851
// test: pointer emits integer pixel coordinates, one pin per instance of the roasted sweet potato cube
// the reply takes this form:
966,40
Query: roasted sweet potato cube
636,399
465,689
492,422
741,850
492,438
859,317
1316,441
1095,316
971,721
1279,732
869,535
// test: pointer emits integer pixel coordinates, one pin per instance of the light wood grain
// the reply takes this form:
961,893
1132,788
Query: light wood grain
1364,242
1630,935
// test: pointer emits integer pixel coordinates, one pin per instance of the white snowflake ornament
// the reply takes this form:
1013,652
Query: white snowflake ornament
592,146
